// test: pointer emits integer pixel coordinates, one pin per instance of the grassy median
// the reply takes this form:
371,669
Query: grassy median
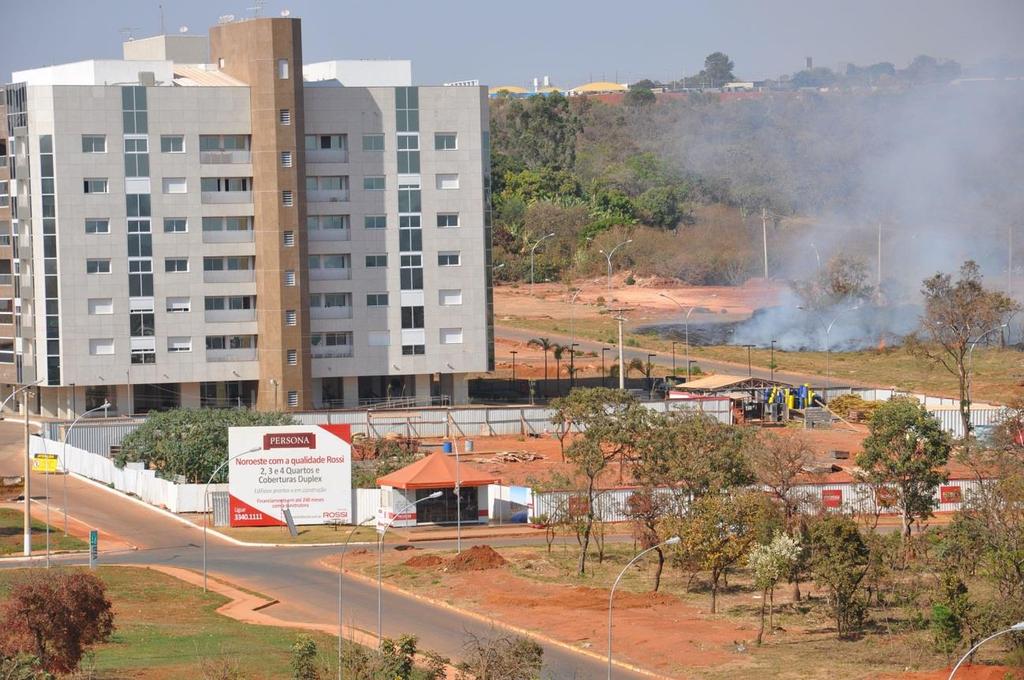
11,535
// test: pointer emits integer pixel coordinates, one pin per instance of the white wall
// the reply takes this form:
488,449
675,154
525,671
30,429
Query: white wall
361,72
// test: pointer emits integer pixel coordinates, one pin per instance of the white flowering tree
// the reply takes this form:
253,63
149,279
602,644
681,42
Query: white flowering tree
770,562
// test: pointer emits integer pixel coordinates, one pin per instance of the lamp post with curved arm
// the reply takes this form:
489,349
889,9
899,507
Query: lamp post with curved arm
206,498
608,256
341,572
10,396
611,596
828,342
380,559
64,460
532,251
686,325
1015,628
27,528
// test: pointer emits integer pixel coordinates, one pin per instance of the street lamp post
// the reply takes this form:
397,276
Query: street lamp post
1015,628
686,326
817,255
514,353
828,342
572,338
608,256
603,350
27,546
611,596
771,363
64,458
206,499
674,343
380,558
532,251
341,571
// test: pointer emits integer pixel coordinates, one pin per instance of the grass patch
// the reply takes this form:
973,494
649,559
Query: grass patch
169,629
12,538
999,373
307,534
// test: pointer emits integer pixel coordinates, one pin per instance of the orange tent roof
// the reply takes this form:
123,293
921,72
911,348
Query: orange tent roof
436,471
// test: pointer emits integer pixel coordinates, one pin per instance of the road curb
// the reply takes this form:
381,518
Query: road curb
547,639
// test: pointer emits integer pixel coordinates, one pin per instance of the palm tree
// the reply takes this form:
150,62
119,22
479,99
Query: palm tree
636,365
546,345
558,351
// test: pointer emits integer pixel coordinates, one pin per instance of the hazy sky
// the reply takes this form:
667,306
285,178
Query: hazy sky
511,41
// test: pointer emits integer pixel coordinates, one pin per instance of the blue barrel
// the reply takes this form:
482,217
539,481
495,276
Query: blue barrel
447,447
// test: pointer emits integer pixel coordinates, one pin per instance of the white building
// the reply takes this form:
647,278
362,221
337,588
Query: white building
223,234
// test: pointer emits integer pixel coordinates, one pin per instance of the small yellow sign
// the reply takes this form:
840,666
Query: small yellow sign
44,462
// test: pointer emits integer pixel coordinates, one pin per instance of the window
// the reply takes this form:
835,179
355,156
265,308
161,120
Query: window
172,144
99,346
408,154
445,141
375,222
97,226
449,297
448,181
7,350
337,300
101,306
176,264
175,185
214,184
290,317
220,63
328,261
230,263
411,274
95,185
293,357
449,259
327,142
409,350
179,304
286,159
451,336
224,143
234,302
97,266
377,300
179,344
375,183
136,157
282,69
293,398
227,223
445,220
94,144
287,198
373,142
327,222
376,260
289,278
412,317
378,338
288,239
175,225
285,117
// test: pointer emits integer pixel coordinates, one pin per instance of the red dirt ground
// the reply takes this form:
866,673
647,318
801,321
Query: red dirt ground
477,558
964,673
423,561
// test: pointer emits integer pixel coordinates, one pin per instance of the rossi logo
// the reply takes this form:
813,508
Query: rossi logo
289,440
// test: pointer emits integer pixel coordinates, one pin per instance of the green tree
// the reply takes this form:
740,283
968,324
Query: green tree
770,562
718,69
958,315
591,408
646,508
558,351
717,532
55,616
639,96
189,443
903,457
539,132
305,662
839,562
588,461
545,345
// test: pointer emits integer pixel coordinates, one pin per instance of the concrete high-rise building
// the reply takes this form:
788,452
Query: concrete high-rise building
232,233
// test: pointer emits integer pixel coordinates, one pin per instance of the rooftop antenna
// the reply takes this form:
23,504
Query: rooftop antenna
127,31
161,6
257,8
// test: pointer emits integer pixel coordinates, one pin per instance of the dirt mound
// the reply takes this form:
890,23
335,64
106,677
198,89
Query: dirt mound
477,558
423,561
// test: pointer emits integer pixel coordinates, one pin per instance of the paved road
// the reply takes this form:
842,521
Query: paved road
665,358
308,592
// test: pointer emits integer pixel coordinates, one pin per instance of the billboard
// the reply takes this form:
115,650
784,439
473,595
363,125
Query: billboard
306,469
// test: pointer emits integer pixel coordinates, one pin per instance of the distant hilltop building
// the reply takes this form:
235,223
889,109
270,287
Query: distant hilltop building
544,87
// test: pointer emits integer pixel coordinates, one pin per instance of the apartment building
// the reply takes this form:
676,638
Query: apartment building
198,224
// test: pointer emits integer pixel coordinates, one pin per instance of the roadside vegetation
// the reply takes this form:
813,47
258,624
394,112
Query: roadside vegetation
11,541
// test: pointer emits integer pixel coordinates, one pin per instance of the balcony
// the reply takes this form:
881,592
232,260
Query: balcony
339,196
225,157
229,276
331,274
244,354
5,240
229,315
225,197
336,352
6,279
226,236
330,312
327,155
329,234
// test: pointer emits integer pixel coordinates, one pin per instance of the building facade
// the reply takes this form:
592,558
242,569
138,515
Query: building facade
228,234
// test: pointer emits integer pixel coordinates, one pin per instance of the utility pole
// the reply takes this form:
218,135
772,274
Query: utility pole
764,239
1009,262
750,371
878,283
622,363
28,482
